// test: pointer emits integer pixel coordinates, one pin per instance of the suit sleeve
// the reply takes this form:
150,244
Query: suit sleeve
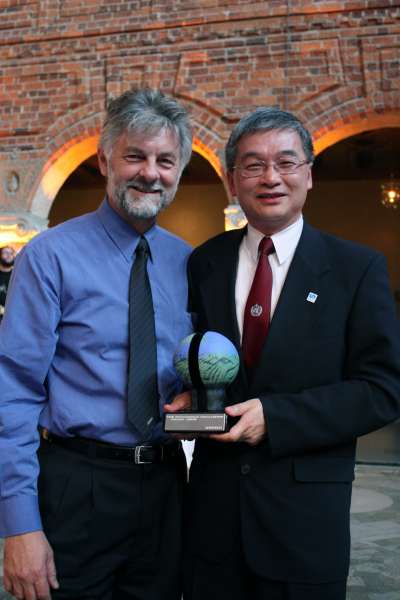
368,395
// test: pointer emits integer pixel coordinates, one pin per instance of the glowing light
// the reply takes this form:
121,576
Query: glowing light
58,169
209,155
390,194
15,235
234,217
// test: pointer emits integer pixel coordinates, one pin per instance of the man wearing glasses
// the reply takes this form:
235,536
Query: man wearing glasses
314,321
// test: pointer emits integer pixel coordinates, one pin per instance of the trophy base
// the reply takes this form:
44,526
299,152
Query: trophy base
194,422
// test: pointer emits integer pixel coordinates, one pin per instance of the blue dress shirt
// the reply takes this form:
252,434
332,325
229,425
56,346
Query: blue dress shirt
64,344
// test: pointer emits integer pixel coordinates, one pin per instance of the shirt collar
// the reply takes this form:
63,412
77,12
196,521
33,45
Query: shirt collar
285,241
122,234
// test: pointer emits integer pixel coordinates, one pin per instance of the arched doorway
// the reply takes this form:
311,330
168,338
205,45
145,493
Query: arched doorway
197,212
346,201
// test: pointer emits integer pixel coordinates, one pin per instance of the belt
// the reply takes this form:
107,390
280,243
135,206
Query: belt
144,454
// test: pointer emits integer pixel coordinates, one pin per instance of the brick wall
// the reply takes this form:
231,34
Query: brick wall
334,63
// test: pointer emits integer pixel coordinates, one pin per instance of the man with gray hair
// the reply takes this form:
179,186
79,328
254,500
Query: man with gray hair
313,319
90,486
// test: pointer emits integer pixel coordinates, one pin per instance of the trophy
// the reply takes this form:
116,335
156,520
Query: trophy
207,363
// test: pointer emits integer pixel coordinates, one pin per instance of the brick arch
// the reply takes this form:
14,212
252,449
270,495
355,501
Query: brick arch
210,156
209,128
342,129
63,162
69,144
210,135
346,101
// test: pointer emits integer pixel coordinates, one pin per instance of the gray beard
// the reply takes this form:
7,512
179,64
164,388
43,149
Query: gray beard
147,207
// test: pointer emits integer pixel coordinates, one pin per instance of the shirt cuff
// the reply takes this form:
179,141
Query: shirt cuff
19,514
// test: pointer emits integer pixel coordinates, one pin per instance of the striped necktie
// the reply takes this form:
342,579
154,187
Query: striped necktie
143,409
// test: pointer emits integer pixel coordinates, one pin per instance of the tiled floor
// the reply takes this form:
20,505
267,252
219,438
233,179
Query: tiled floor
375,527
375,564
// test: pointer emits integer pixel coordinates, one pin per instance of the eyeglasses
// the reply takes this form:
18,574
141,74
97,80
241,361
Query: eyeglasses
283,166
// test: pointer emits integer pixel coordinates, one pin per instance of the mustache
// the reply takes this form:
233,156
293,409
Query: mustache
144,186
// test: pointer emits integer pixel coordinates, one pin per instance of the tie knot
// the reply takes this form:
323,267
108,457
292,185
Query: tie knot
266,246
142,247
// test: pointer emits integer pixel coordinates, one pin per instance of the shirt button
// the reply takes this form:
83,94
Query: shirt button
245,469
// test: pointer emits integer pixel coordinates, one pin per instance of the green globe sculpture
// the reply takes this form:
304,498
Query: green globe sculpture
218,360
206,363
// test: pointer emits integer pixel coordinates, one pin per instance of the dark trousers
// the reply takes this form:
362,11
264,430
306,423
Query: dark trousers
215,564
115,527
211,581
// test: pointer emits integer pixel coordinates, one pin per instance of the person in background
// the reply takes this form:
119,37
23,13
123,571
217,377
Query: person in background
7,258
90,486
314,321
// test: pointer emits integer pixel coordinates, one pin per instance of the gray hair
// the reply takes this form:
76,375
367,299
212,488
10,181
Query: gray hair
146,111
266,118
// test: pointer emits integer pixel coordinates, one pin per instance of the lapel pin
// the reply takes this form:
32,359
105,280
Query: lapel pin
312,297
256,310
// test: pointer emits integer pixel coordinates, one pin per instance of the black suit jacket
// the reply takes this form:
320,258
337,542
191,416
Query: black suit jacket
329,372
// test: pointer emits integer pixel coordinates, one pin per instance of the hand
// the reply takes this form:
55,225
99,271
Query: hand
180,402
29,569
251,427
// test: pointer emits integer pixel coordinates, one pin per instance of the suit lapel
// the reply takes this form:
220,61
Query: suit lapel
295,311
222,279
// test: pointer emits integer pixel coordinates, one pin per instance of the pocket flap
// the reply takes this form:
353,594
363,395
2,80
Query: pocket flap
324,469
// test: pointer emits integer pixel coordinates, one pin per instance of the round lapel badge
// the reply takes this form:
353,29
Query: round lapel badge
256,310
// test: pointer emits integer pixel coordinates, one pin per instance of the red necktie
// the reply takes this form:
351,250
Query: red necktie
258,306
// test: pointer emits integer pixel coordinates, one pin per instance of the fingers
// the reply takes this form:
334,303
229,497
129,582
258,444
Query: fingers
52,574
25,590
14,588
236,410
29,566
17,590
180,402
42,589
233,435
251,426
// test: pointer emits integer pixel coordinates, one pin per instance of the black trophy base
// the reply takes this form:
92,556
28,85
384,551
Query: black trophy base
195,422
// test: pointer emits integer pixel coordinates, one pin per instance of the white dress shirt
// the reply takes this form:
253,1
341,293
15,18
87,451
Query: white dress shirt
285,244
